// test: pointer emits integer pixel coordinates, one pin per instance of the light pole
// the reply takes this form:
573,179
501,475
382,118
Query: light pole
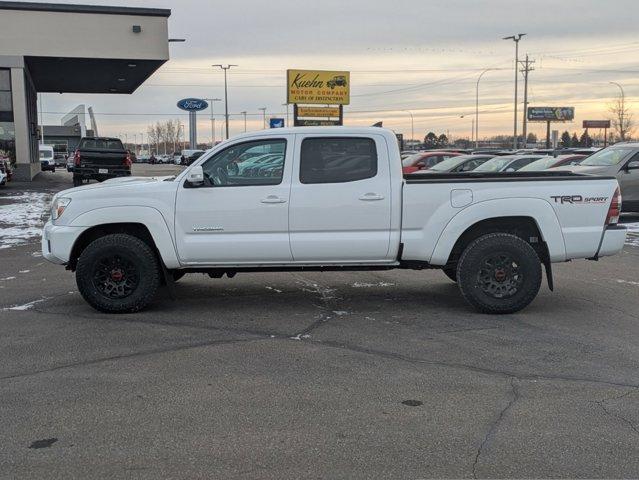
477,106
263,109
412,125
226,95
287,121
472,126
515,38
622,134
244,113
211,100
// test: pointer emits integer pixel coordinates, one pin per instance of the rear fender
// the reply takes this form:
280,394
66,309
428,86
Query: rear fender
539,210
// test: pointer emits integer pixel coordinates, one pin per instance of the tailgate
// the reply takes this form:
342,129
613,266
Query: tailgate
89,158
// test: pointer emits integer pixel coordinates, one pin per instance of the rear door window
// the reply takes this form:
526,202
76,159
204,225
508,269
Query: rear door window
337,160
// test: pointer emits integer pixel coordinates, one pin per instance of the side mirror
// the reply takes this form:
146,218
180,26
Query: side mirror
634,165
195,177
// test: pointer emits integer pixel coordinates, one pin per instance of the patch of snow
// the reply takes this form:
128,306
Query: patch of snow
26,306
274,289
339,313
8,278
627,282
22,217
36,254
24,271
369,285
299,336
633,234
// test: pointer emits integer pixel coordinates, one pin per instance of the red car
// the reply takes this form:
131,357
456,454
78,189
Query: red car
425,160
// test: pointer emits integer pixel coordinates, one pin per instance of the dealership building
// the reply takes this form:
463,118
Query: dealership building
64,48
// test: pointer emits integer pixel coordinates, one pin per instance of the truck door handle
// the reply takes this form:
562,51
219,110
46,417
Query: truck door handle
273,199
371,197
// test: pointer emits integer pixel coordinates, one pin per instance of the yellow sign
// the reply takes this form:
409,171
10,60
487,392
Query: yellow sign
318,87
322,112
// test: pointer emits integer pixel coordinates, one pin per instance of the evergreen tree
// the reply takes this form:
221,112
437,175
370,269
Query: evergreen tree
585,140
565,139
574,141
442,141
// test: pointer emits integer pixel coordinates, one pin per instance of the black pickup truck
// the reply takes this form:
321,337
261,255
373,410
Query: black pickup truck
100,158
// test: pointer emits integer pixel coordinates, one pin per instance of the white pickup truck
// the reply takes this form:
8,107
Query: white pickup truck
328,198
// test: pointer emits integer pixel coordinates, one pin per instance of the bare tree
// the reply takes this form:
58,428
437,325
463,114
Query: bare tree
621,118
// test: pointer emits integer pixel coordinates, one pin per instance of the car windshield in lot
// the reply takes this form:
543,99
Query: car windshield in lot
541,164
46,154
494,165
450,163
411,159
608,156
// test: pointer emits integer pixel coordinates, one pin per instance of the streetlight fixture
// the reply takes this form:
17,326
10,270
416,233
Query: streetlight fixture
412,125
263,109
622,134
244,113
477,105
211,100
515,38
226,94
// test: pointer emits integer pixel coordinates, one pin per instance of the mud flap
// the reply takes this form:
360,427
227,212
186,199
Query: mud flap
168,281
548,267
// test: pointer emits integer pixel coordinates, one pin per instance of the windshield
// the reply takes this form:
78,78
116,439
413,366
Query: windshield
494,165
607,156
46,154
451,163
541,164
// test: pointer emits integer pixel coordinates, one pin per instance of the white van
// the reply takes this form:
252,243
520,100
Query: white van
47,158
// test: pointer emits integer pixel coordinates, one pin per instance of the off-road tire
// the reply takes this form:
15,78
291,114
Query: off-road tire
474,261
450,272
134,252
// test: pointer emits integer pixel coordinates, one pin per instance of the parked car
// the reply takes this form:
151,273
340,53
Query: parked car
507,163
547,162
100,158
340,203
408,153
70,163
424,160
461,163
192,157
186,154
621,161
47,159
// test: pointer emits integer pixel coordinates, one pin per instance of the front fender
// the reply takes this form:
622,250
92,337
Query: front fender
151,218
537,209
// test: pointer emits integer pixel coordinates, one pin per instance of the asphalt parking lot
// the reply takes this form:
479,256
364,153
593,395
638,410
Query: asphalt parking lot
314,375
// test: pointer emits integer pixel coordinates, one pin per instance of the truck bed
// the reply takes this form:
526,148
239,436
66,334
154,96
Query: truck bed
462,177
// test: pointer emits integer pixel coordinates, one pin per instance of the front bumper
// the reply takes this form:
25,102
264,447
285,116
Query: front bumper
613,240
58,241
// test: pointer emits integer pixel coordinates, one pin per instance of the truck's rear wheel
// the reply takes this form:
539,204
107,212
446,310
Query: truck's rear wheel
118,273
499,273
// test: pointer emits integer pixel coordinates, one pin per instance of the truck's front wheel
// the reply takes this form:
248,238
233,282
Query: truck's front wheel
118,273
499,273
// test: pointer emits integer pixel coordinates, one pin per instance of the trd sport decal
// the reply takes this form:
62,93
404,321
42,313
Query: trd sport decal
577,199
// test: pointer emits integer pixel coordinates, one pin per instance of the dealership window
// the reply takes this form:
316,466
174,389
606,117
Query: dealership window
7,128
337,160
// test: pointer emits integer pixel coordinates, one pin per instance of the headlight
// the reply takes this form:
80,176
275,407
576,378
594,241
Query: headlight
58,207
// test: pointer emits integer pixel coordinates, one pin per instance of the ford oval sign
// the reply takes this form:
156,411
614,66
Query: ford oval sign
192,104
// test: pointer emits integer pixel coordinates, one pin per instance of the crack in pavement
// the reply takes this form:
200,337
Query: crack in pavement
472,368
602,405
132,355
495,424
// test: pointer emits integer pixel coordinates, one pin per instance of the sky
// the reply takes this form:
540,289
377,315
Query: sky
419,57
